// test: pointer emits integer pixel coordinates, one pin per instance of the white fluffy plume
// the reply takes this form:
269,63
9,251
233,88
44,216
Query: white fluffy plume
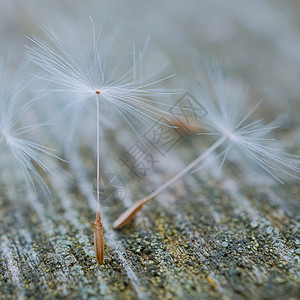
87,67
14,146
230,119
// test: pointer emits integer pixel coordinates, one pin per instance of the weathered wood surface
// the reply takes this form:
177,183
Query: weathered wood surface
204,238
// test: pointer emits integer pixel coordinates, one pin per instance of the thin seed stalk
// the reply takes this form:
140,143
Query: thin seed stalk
98,228
128,215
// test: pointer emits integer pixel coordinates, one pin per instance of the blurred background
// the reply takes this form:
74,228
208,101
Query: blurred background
257,41
258,44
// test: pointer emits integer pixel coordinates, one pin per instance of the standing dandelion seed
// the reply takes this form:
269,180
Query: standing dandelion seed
227,119
81,70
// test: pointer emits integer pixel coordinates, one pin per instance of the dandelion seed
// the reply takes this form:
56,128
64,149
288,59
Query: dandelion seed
81,69
228,120
14,147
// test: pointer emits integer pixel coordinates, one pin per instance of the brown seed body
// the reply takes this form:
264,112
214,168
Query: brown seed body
128,215
187,125
99,239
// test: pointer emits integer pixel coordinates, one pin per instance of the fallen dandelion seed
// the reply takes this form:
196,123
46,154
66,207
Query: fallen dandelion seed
226,118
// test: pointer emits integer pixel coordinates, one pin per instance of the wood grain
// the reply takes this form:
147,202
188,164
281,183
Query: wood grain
205,238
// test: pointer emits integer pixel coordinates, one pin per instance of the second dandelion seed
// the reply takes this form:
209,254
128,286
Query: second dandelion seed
228,119
18,153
